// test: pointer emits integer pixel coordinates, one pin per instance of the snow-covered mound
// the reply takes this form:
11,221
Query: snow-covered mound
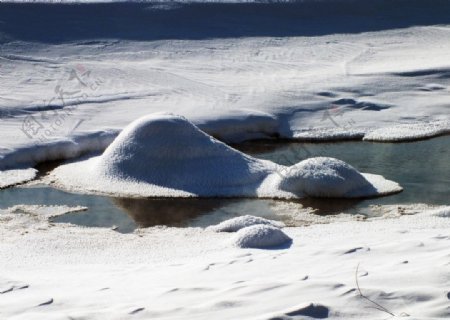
329,177
260,236
164,155
238,223
12,177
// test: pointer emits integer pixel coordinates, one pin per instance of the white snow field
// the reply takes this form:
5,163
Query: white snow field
74,79
164,155
61,271
73,76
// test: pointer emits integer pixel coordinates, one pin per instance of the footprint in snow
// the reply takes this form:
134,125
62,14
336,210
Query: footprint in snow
137,310
46,303
356,249
11,288
316,311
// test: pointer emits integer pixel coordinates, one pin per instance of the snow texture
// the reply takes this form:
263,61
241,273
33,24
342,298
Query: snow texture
329,177
32,217
15,176
443,212
310,70
236,224
199,274
409,132
260,237
164,155
45,212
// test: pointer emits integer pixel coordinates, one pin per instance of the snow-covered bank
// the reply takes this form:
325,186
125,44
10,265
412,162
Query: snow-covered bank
409,132
167,273
11,177
310,70
165,155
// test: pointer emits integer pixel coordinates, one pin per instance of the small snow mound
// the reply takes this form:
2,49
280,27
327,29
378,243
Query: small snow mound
238,223
329,177
12,177
260,236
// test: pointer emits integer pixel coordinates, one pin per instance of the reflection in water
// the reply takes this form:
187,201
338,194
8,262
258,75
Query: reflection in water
204,212
168,212
330,206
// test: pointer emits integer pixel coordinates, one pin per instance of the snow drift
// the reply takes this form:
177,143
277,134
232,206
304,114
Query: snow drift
165,155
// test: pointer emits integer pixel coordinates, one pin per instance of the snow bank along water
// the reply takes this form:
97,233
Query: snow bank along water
11,177
164,155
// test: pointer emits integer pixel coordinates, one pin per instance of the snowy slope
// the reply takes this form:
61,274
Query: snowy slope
73,76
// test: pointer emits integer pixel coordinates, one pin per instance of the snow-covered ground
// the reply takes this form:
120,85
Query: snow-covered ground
73,76
66,272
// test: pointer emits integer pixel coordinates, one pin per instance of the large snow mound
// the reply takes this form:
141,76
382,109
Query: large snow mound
165,155
238,223
260,236
12,177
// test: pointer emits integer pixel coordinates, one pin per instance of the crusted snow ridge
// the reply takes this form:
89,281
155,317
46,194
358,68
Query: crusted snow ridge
409,132
238,223
260,236
41,211
329,134
12,177
165,155
65,148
